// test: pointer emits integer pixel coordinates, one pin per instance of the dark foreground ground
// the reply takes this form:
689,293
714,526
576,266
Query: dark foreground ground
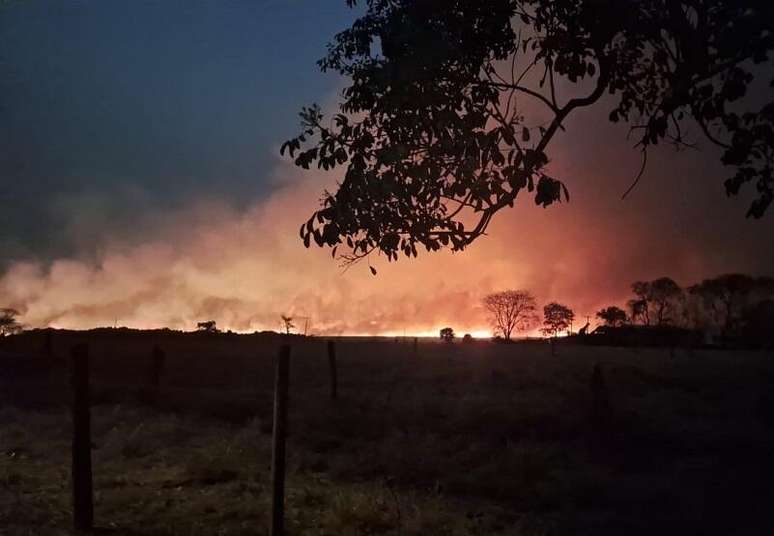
448,440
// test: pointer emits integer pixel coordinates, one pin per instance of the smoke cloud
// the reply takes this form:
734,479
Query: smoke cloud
246,267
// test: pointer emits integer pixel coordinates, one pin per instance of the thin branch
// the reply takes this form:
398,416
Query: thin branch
526,91
709,135
552,85
639,175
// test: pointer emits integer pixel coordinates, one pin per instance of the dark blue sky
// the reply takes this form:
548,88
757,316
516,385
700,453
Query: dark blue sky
102,99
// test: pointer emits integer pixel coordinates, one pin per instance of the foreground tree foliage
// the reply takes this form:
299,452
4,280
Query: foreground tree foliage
432,138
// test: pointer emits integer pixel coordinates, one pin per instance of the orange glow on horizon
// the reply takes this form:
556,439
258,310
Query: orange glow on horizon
245,268
476,334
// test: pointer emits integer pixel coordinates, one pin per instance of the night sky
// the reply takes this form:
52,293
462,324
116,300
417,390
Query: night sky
142,185
116,107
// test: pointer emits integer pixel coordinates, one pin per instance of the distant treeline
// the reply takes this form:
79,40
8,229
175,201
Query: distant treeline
730,308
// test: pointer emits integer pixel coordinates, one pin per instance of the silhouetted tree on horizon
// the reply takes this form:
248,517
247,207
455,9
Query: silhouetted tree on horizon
556,318
613,316
447,334
209,326
9,324
287,323
431,134
511,310
726,298
658,301
638,310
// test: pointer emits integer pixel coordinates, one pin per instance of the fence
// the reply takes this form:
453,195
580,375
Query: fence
155,366
82,477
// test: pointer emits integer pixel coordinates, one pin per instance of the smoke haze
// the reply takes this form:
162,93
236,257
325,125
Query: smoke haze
246,267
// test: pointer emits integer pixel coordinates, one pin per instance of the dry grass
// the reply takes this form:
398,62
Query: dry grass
479,439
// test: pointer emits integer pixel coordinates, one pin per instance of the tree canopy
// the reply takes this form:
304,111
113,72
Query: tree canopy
208,326
726,297
612,316
447,334
431,136
658,301
556,318
511,310
8,322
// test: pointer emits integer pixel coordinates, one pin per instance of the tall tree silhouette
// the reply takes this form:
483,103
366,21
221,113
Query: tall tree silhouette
511,310
658,301
639,311
556,318
287,323
727,297
431,137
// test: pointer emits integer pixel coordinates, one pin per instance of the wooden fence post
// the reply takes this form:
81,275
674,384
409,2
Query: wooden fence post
333,371
278,442
83,507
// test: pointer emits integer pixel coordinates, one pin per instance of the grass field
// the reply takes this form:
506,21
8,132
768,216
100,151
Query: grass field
450,440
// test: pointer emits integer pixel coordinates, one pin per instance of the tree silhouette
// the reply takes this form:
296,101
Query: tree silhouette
287,322
638,310
511,310
447,334
556,318
658,301
432,138
727,297
8,323
209,326
612,316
